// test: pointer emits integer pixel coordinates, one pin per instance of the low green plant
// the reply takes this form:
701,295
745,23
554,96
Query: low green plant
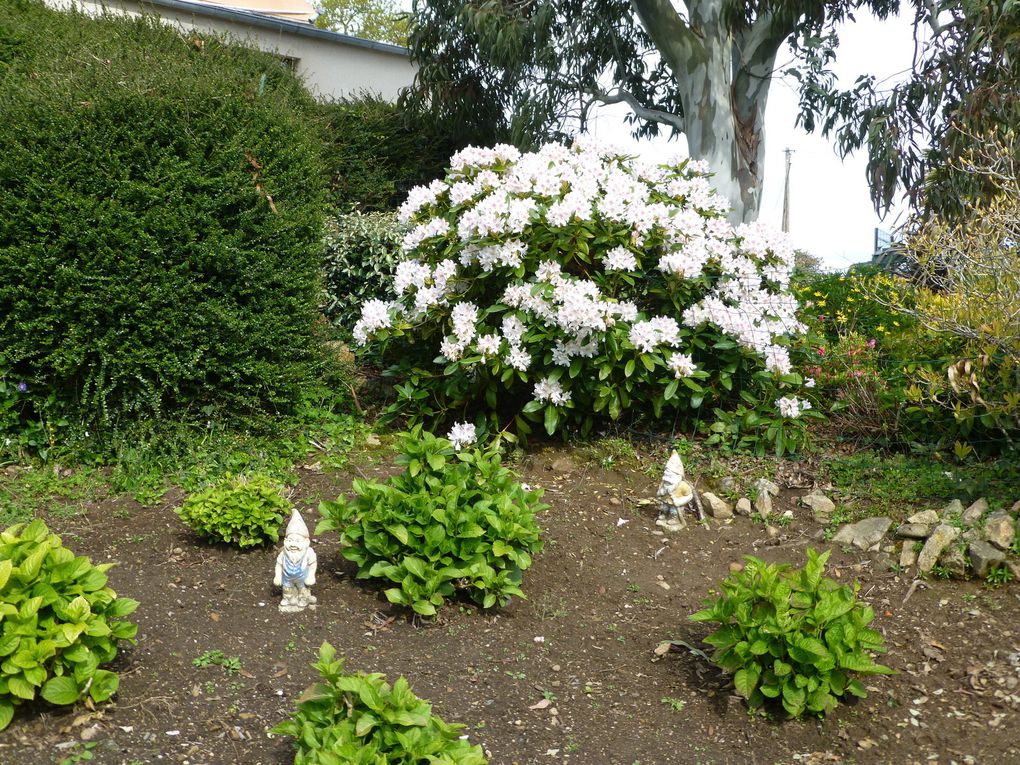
998,576
231,664
58,622
677,705
360,719
451,521
243,510
792,636
361,254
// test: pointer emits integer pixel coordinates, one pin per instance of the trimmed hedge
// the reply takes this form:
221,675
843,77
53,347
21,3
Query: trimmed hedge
375,155
161,208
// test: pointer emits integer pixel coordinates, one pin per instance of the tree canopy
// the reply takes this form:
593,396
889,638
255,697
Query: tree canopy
380,20
525,71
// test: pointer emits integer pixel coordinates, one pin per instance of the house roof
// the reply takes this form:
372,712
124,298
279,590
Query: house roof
273,23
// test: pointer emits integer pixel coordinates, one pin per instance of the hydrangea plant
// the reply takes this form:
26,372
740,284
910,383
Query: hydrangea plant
579,281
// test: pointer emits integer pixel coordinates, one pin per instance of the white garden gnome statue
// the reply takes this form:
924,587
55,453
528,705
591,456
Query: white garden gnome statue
674,494
295,567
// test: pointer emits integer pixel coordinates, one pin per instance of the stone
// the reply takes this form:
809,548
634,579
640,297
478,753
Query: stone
929,517
763,504
1000,529
672,524
728,485
908,555
863,534
772,532
1015,510
765,486
818,502
984,557
562,465
971,535
954,561
716,507
295,567
953,510
940,538
372,440
973,514
913,531
743,506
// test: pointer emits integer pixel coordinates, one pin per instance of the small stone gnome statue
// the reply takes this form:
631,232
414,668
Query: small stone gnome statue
674,494
295,567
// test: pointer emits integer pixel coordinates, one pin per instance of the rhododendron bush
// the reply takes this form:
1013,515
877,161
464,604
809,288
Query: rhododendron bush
577,282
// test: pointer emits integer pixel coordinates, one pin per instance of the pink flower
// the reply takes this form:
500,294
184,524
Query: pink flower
871,343
821,351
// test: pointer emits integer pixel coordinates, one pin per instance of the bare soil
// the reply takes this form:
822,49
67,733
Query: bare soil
569,675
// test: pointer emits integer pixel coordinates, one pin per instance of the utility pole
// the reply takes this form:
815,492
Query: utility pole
786,191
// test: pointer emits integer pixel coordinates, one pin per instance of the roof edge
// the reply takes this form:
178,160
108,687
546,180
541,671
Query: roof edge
273,23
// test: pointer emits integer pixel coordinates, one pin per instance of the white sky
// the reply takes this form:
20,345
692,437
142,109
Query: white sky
831,215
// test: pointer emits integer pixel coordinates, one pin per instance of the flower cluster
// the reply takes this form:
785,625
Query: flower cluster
792,407
519,263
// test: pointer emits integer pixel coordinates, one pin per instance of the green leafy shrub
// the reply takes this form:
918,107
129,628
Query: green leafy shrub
161,208
451,521
246,511
375,155
792,636
573,284
58,622
362,250
359,719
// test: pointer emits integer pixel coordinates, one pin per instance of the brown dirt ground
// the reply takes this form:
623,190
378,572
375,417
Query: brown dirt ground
601,598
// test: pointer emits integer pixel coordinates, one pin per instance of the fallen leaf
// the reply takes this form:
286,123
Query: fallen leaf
214,616
540,704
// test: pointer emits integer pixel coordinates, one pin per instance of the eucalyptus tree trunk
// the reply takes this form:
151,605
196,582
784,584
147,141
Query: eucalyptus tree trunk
722,75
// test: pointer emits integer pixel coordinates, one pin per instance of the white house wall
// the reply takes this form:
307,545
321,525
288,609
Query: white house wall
330,68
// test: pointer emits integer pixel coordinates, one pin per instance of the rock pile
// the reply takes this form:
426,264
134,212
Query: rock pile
957,538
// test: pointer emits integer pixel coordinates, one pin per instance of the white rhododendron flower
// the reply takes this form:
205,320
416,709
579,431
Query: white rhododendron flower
620,259
462,434
551,392
519,264
792,407
682,365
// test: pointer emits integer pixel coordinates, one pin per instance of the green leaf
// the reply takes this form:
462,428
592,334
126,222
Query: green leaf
6,566
61,690
551,420
20,687
6,713
746,680
365,724
104,685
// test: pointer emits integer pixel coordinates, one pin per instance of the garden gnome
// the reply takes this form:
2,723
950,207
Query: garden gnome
673,494
295,567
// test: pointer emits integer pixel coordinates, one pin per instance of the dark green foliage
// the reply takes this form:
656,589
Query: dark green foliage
359,719
58,622
792,636
243,510
362,250
375,153
453,520
160,220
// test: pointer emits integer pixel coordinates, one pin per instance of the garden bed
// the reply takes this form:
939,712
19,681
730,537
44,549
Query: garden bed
569,675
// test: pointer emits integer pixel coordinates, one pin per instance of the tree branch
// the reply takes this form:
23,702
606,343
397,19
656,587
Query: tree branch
675,40
620,96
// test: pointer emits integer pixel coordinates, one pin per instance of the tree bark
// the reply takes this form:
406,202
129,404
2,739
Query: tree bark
723,78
